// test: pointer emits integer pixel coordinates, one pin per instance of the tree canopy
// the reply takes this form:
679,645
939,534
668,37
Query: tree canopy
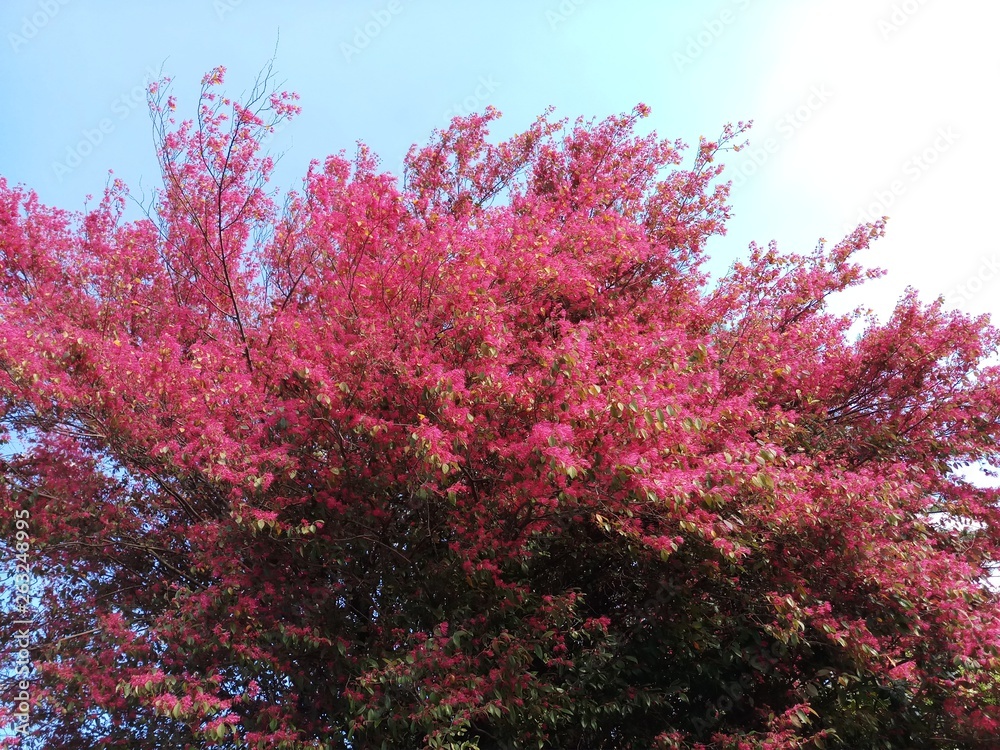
479,458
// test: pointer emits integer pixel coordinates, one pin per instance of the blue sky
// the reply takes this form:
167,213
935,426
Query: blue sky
860,106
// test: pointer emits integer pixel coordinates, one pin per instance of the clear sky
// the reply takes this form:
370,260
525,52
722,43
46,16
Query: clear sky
860,106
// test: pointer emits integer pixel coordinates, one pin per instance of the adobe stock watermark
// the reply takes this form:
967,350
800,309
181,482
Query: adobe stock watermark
986,272
474,102
224,7
24,625
786,126
272,133
121,106
736,693
31,26
762,658
366,32
899,17
708,35
913,170
561,13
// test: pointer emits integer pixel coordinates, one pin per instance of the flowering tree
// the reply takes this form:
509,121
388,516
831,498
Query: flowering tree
479,460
